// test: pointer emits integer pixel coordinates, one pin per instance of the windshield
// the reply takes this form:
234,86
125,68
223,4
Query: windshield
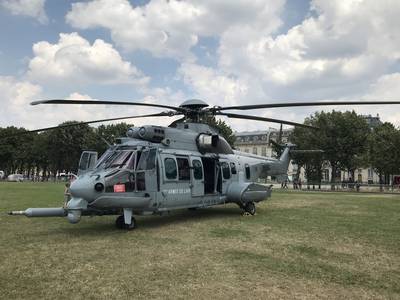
117,159
104,157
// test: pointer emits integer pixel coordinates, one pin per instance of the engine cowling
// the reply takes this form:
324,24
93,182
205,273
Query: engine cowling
149,133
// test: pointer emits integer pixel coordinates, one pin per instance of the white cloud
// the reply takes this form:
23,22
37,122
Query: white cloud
213,86
31,8
77,96
74,60
16,96
15,99
386,87
171,28
339,50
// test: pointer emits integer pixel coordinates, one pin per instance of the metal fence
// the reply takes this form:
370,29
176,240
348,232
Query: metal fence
340,187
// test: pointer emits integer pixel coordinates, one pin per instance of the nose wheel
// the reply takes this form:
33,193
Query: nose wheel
120,223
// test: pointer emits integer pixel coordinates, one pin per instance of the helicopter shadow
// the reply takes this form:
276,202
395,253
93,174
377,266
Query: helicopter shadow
103,227
188,216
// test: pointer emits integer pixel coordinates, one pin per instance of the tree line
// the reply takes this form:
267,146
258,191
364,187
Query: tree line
348,143
54,151
346,139
51,152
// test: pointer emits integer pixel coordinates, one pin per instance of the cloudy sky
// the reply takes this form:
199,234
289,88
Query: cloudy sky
224,52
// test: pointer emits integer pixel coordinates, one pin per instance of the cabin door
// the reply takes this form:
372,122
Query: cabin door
87,162
225,172
197,176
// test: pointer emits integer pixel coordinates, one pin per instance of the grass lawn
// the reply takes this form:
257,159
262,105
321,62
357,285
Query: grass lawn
299,245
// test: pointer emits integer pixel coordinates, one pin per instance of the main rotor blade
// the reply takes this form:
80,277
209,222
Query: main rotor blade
71,101
162,114
296,104
256,118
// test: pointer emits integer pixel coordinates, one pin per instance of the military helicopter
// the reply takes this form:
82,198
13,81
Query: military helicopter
187,165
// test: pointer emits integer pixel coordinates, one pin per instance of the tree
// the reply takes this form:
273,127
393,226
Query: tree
40,153
109,134
305,139
224,129
341,135
12,149
384,150
66,145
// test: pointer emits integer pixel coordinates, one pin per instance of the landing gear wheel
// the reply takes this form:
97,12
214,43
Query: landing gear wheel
250,208
130,226
120,223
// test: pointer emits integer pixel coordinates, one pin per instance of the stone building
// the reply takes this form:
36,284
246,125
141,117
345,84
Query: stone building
259,142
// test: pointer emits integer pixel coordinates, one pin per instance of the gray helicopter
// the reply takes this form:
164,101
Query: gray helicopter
186,165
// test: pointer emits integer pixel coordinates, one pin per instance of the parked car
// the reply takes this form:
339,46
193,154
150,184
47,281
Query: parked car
15,177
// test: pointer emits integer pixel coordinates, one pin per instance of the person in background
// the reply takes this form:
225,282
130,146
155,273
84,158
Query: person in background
67,194
285,186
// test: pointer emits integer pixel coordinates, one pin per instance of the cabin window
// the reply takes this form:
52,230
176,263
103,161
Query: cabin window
233,168
170,168
225,170
183,168
247,168
197,169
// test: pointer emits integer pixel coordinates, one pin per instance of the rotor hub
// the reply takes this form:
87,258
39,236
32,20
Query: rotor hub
194,104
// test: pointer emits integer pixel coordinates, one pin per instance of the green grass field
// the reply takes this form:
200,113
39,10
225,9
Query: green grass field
299,245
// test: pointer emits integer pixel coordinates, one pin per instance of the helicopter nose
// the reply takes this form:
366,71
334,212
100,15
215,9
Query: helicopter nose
85,188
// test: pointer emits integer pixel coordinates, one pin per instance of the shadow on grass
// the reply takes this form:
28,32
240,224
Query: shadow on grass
106,225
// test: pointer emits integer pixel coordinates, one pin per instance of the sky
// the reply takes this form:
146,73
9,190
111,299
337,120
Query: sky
223,52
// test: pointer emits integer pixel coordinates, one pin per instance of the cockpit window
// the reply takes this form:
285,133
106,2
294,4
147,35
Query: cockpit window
104,157
117,159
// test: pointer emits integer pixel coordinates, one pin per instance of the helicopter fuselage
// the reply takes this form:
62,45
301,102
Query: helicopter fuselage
159,169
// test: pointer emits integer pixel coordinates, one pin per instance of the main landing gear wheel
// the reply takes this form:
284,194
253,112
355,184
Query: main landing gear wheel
120,223
250,208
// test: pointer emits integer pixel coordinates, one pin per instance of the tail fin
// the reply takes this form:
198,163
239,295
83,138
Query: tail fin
285,156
